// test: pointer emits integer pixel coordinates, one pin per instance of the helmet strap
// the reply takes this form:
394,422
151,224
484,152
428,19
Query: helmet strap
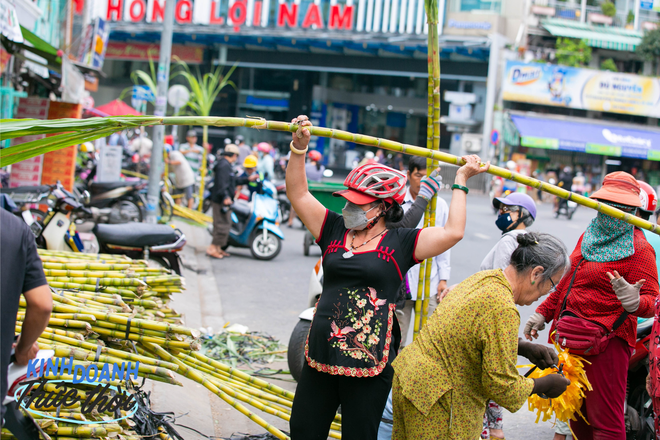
375,220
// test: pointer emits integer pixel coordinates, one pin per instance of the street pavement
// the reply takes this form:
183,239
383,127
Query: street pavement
268,296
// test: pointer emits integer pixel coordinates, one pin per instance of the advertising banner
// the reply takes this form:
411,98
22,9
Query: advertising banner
582,137
584,89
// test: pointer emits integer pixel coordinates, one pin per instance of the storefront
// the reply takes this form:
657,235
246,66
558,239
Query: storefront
359,66
593,121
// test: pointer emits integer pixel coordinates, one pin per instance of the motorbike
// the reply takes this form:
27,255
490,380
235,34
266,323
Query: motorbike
566,207
55,230
296,352
638,408
113,202
285,204
255,224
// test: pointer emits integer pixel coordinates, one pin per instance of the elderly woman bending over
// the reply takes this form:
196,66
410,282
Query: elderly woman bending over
467,352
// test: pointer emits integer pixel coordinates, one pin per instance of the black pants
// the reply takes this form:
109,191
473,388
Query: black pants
319,395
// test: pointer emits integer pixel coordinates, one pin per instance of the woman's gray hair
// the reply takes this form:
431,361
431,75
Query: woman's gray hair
540,249
529,221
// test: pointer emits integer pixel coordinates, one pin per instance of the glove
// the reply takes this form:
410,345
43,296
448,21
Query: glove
627,293
540,355
535,324
430,185
552,385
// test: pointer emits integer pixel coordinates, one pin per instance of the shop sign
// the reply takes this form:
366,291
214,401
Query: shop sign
581,137
584,89
237,13
143,51
481,25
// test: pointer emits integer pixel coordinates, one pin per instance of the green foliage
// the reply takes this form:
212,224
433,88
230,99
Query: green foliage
630,18
244,349
572,52
609,64
649,48
204,88
608,8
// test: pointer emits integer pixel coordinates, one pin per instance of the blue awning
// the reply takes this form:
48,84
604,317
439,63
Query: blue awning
608,139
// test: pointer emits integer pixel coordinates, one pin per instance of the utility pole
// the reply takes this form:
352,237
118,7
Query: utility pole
163,76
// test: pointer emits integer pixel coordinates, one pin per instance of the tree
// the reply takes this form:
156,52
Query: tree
630,18
649,48
572,52
609,64
204,91
608,8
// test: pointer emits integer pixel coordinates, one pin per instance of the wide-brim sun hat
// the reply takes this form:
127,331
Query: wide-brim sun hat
619,187
371,182
517,199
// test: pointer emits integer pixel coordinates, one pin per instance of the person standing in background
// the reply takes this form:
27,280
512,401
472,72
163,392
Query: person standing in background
244,149
184,177
266,167
192,152
440,266
224,189
398,162
21,273
314,169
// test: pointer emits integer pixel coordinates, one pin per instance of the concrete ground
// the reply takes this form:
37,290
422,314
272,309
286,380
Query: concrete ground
268,296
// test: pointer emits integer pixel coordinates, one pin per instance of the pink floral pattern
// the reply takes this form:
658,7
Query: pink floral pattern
356,333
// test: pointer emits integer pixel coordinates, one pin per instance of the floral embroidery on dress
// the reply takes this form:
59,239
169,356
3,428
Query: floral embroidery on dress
355,331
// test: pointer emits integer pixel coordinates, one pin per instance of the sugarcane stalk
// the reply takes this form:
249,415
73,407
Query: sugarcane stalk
199,378
13,128
124,293
183,345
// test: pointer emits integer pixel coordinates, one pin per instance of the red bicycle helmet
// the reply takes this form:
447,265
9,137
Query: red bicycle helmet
648,197
371,182
315,156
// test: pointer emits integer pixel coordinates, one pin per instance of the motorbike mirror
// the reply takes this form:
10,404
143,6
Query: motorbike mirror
328,173
87,198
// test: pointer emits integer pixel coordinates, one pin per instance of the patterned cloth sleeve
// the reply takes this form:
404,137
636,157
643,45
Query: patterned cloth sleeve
500,378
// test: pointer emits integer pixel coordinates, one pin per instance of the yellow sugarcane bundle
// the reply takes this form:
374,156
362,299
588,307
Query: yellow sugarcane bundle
567,406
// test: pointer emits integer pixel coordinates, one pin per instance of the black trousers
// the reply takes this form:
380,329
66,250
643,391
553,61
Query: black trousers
318,396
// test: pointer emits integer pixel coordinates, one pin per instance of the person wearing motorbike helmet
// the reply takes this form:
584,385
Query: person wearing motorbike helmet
354,335
314,167
266,167
249,177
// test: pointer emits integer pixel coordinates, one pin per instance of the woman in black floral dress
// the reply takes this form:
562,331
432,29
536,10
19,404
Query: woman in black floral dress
354,334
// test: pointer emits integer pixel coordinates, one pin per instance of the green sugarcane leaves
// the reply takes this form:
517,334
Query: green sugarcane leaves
244,349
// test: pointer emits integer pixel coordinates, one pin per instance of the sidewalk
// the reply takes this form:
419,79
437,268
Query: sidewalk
193,405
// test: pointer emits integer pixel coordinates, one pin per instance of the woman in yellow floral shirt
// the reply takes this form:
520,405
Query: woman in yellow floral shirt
467,352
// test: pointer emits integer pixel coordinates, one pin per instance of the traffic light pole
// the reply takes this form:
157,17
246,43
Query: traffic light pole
156,169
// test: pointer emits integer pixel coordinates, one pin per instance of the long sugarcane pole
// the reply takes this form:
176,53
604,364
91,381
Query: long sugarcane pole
205,140
432,143
12,128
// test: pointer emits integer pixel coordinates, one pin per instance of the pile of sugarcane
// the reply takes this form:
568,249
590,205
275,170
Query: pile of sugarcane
109,309
192,215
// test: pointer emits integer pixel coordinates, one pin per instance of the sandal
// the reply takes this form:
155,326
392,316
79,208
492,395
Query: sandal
215,255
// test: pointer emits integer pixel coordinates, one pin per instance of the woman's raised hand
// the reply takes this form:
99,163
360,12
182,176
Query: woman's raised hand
301,136
627,293
471,168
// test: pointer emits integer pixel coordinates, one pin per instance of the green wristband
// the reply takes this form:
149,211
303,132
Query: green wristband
461,187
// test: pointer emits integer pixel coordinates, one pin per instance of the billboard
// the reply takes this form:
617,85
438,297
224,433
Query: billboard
584,89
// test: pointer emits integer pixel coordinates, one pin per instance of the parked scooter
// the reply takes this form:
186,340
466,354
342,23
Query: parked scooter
566,207
57,231
114,202
255,224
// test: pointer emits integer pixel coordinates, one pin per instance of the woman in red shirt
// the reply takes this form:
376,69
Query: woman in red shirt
608,254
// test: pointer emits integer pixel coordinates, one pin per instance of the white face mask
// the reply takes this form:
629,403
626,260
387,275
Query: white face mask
354,217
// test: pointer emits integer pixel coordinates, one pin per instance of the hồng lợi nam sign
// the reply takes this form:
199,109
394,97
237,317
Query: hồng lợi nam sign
584,89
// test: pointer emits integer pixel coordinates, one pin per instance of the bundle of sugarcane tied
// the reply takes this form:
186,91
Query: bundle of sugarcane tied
109,309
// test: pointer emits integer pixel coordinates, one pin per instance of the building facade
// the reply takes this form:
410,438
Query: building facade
356,65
